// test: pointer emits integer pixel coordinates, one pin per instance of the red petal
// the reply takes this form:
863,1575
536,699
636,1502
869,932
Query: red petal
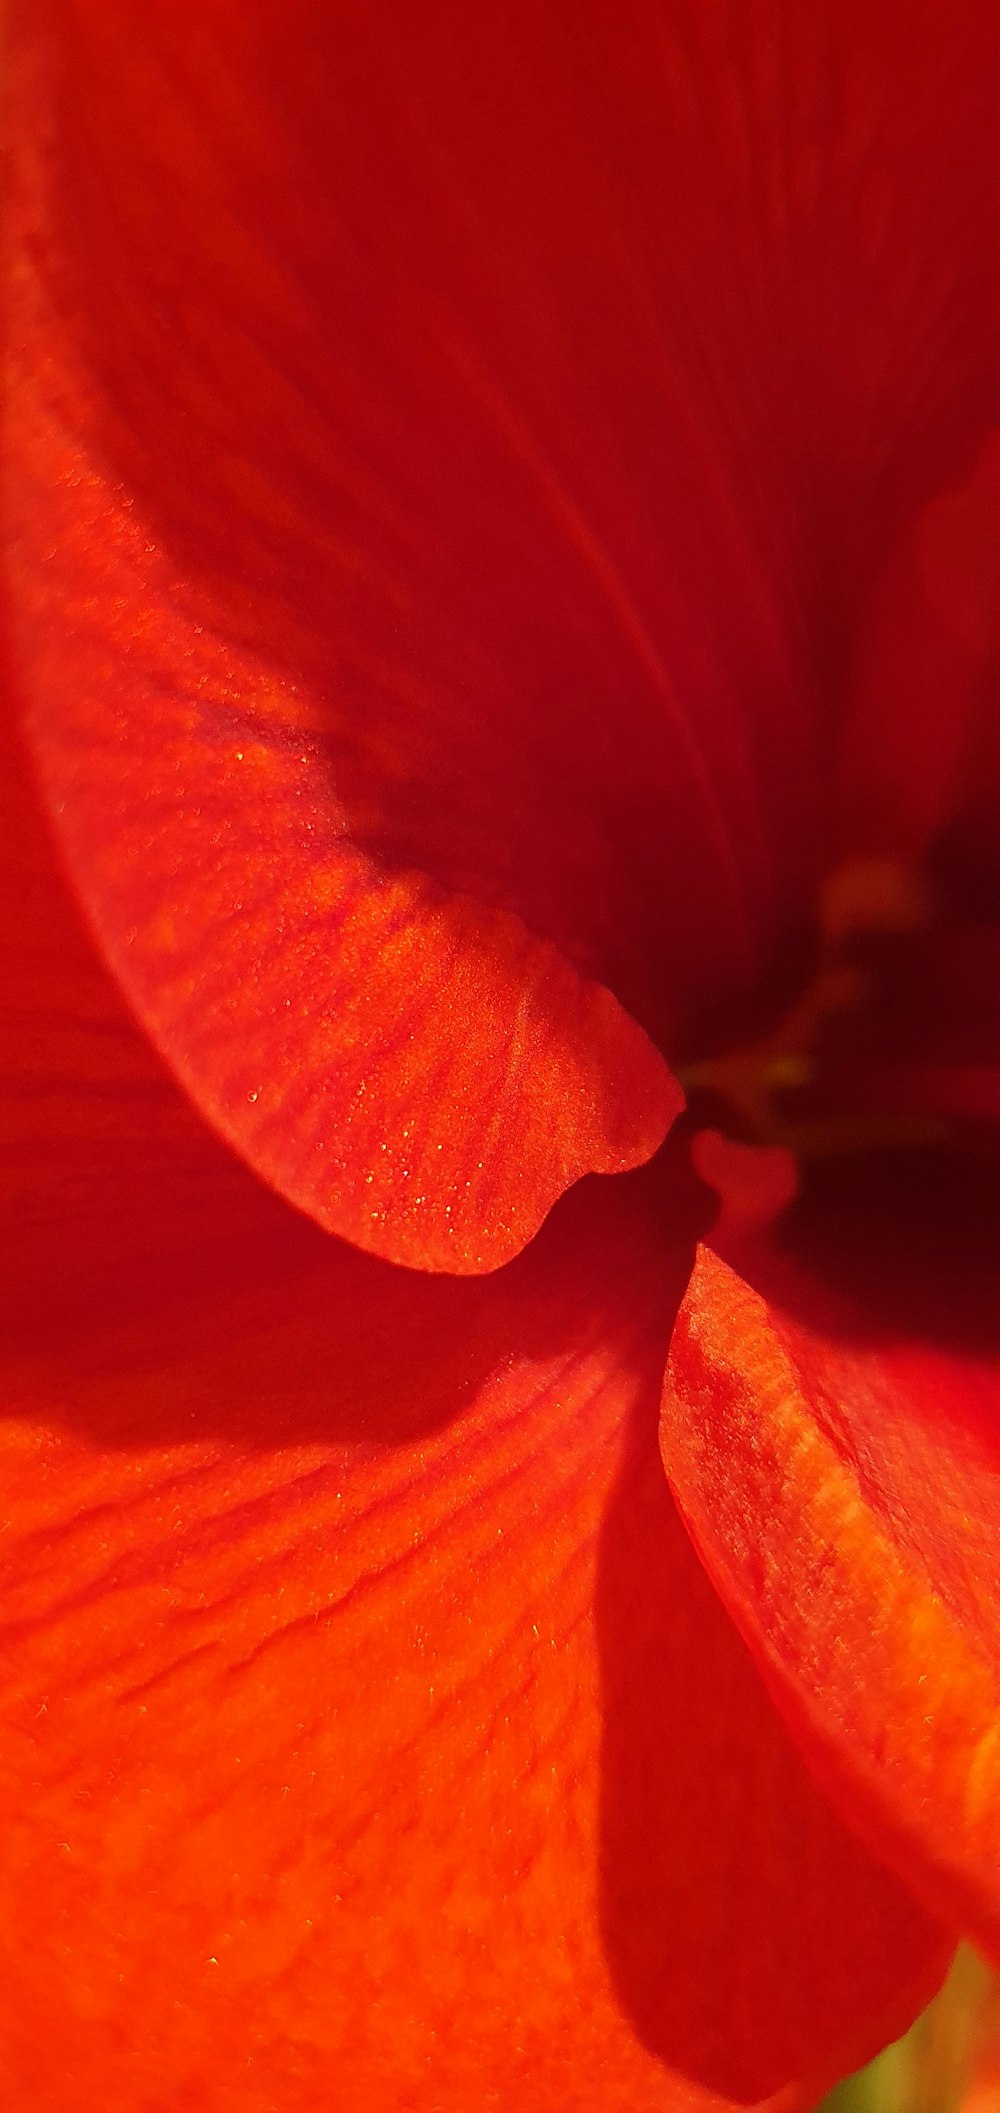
416,1070
370,1726
428,1769
845,1498
535,391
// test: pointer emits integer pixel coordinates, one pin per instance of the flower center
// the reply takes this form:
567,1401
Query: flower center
868,1120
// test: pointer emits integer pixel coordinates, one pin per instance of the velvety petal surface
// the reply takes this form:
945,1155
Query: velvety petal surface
521,404
841,1480
370,1727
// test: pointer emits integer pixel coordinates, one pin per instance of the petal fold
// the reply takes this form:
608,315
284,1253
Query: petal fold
369,1726
844,1495
367,1717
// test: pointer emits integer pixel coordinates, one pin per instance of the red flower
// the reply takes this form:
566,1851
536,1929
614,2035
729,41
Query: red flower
478,479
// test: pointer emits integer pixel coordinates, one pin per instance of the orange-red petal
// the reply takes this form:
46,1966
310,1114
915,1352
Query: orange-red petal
370,1726
371,1733
844,1494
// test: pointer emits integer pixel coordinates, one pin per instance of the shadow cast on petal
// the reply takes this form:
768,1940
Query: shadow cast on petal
751,1939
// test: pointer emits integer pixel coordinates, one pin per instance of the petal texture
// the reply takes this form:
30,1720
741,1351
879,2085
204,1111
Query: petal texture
369,1726
845,1496
413,1068
435,1767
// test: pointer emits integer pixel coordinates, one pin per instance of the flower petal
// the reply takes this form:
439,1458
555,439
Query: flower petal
431,1766
529,397
845,1497
369,1725
416,1070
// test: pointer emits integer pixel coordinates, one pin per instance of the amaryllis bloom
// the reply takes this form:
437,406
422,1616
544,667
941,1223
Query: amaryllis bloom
497,505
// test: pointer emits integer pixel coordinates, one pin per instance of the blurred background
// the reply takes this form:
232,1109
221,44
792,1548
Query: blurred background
948,2063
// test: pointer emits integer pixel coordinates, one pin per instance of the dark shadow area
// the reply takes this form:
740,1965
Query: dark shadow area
217,1311
905,1230
908,1243
895,1127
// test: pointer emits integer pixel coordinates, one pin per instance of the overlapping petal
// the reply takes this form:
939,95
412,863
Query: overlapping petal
369,1040
425,640
841,1480
519,404
369,1725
